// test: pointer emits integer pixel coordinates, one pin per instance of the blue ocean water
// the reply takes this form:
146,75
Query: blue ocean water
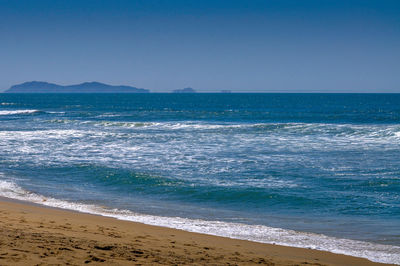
309,170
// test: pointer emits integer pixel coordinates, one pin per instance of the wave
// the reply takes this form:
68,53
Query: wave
54,112
320,130
258,233
17,112
300,128
26,111
160,125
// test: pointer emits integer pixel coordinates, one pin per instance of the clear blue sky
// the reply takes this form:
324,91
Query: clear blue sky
249,45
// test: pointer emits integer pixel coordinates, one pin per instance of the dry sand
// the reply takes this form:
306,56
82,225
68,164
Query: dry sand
35,235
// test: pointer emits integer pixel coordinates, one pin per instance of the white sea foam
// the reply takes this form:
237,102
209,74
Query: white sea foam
16,112
258,233
54,112
161,125
322,129
322,133
175,151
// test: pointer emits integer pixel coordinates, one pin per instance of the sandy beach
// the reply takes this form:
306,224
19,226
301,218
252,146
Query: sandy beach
35,235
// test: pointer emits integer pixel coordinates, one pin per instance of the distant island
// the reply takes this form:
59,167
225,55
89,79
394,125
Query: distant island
185,90
87,87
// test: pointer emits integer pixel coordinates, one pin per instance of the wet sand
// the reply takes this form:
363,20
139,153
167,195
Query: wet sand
35,235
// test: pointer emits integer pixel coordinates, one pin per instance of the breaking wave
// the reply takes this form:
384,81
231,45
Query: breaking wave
17,112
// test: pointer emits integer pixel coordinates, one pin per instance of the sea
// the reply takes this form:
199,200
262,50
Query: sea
318,171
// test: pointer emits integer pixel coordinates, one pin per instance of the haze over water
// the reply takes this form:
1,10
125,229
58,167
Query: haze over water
250,166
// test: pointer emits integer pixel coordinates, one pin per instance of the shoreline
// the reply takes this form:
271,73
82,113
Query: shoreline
33,233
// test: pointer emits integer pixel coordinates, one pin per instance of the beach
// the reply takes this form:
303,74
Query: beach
34,235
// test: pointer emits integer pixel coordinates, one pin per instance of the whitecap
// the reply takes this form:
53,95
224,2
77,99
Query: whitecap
16,112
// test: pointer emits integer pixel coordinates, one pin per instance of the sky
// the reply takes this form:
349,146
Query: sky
243,46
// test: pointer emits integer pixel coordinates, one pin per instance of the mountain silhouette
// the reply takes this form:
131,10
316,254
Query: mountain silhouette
86,87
